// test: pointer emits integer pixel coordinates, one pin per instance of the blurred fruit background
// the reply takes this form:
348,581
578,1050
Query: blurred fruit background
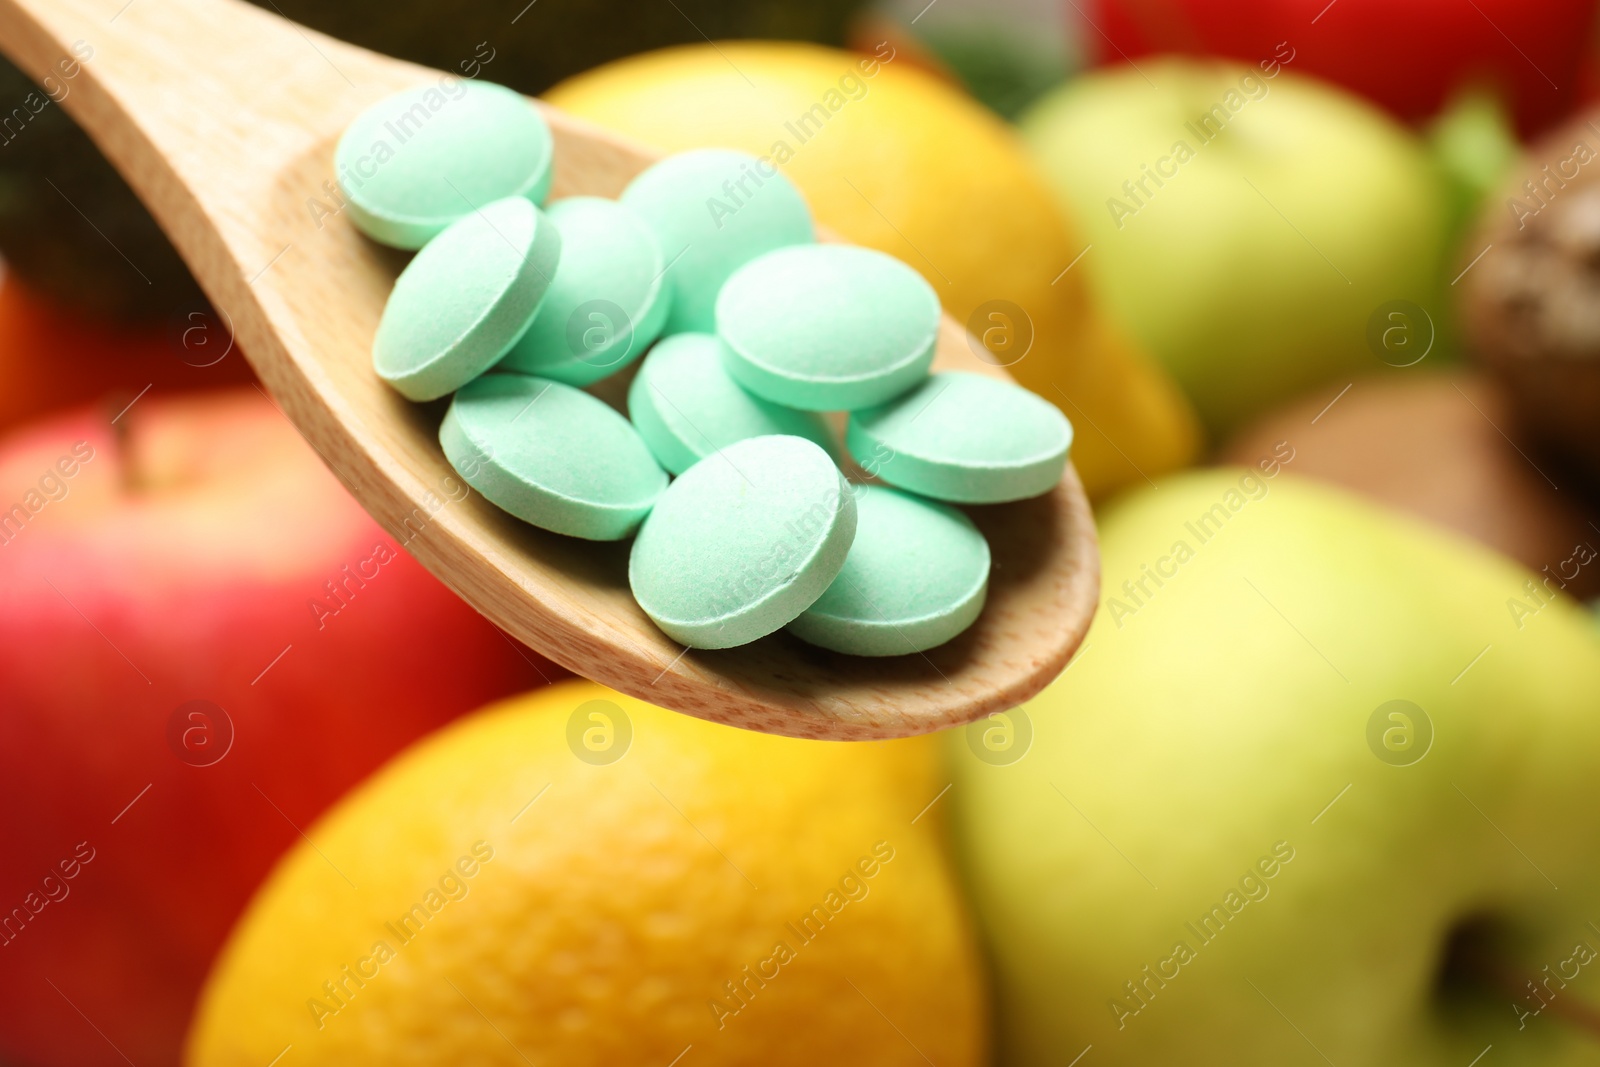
1317,283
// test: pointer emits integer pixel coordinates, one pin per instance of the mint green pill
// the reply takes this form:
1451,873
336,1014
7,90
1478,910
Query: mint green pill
742,542
415,162
607,301
686,407
551,455
828,327
465,299
916,576
713,210
965,438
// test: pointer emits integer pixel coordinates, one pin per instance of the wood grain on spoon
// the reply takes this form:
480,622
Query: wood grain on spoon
223,118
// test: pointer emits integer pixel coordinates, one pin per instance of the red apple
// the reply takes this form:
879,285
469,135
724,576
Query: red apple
203,642
52,357
1408,55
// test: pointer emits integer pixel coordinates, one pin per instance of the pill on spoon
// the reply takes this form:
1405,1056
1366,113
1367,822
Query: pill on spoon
462,301
743,542
607,301
916,576
828,327
413,163
713,210
686,406
551,455
965,438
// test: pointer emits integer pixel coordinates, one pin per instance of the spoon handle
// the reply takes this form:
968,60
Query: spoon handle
206,107
194,102
199,104
223,117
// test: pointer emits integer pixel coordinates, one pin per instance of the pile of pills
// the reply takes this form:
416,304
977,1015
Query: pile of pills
726,470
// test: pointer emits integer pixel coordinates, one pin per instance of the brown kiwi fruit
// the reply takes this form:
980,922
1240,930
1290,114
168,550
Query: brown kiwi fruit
1531,305
1435,445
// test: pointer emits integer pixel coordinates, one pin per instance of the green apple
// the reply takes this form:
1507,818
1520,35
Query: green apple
1321,787
1475,146
1243,222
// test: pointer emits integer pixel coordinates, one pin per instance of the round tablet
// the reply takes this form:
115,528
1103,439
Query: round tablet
742,542
551,455
713,210
965,438
686,407
915,577
415,162
607,301
465,299
828,327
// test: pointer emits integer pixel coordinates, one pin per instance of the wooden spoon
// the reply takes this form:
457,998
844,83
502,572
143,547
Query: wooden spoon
224,117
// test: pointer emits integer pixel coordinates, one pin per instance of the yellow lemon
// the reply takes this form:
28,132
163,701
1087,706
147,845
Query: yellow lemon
576,877
892,158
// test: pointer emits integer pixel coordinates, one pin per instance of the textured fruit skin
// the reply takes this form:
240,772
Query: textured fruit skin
192,546
619,900
1209,726
1528,319
1408,56
1252,272
1430,445
911,166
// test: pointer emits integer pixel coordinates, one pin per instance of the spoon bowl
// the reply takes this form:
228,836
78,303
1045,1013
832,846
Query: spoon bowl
224,117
